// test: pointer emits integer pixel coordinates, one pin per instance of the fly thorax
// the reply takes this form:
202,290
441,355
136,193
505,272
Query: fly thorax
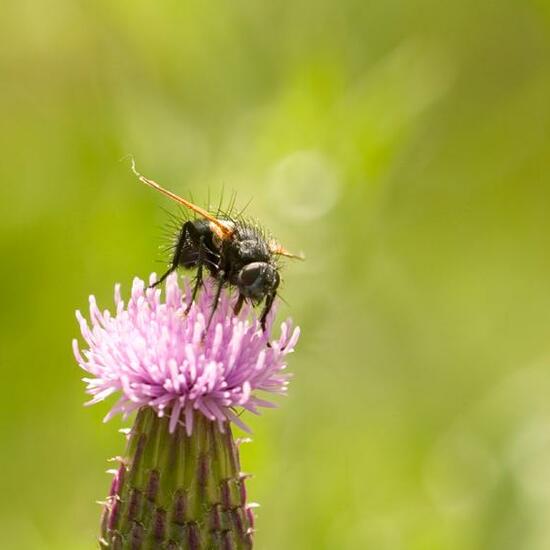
251,250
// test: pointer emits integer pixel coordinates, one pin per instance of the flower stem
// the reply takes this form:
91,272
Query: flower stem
174,491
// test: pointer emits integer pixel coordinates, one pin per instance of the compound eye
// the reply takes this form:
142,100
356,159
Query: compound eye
250,273
255,280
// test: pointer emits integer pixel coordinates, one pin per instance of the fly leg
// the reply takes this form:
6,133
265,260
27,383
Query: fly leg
267,308
181,243
238,305
221,282
198,277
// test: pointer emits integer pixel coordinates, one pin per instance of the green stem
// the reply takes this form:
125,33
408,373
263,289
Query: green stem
173,491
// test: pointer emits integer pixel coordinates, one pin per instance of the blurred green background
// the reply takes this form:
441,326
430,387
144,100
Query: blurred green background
403,146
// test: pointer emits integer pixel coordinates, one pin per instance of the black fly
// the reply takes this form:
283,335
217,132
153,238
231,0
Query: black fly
231,250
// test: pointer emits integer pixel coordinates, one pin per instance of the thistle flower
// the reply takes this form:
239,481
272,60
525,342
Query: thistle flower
179,484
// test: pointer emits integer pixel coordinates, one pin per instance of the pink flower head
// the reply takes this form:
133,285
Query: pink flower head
156,355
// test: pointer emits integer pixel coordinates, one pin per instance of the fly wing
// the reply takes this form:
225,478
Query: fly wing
278,249
223,230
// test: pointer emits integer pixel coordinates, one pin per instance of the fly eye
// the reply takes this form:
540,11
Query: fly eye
250,273
256,280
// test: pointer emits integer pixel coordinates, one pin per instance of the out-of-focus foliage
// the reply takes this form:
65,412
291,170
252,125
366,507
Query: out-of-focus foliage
403,146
